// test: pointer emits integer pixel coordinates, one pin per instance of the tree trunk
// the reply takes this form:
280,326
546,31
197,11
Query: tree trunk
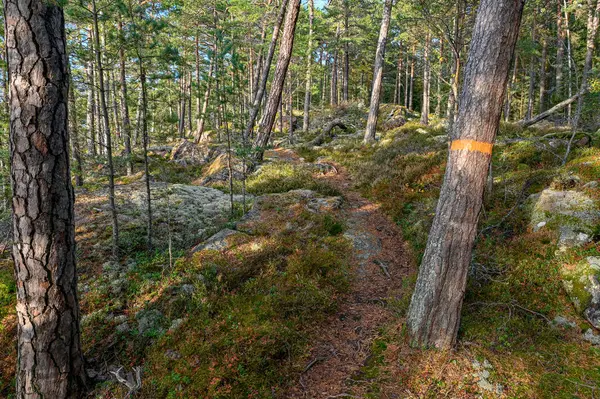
49,360
434,313
346,68
569,57
426,81
91,110
457,47
509,91
74,136
262,88
398,86
543,75
532,60
283,61
111,169
411,82
378,73
592,28
308,90
202,117
182,104
333,98
125,108
438,102
560,51
535,119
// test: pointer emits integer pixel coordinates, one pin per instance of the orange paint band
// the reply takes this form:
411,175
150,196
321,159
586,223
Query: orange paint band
472,145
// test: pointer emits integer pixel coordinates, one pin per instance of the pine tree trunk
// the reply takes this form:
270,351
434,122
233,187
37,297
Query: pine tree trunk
543,75
560,51
398,86
378,73
74,136
411,82
283,61
125,108
107,135
592,28
308,89
49,360
262,88
91,107
426,81
434,313
346,68
202,117
333,95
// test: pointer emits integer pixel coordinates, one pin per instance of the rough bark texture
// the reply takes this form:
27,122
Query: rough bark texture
378,73
434,313
50,362
262,88
283,61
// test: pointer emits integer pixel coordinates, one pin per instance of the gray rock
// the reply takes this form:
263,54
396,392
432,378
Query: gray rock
217,242
175,324
561,321
187,289
186,214
118,286
187,152
326,204
573,214
122,328
365,244
120,319
173,355
592,184
581,283
149,321
590,337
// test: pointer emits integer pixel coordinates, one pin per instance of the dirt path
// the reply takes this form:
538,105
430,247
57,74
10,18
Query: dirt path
344,341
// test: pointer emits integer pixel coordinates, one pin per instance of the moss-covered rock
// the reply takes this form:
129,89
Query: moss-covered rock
571,213
581,283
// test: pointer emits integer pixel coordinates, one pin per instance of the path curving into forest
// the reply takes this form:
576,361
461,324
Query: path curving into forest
342,345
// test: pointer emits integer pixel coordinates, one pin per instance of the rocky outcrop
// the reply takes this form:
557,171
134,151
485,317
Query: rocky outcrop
185,214
188,153
571,213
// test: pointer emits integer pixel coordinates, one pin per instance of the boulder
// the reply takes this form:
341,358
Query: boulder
581,283
571,213
217,242
189,153
185,214
218,170
395,118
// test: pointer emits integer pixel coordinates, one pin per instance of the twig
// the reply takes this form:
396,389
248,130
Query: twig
312,363
510,306
133,386
383,267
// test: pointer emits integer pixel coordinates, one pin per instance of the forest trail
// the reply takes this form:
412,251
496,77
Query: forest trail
343,342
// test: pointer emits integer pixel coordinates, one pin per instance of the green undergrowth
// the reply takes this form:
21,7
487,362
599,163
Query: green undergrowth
250,318
515,285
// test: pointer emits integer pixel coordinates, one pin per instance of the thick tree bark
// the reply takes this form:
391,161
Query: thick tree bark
426,81
262,87
283,61
378,73
126,122
50,362
434,313
107,135
308,89
592,28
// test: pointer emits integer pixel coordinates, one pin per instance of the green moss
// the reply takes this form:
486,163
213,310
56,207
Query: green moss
281,177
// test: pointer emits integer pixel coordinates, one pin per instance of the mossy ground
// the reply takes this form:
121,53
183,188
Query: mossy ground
515,282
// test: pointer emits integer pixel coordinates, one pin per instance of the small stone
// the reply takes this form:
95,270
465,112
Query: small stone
187,289
487,364
122,328
561,321
539,226
591,184
175,324
173,355
592,338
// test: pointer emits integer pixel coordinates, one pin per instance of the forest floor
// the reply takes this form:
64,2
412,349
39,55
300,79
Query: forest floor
305,297
343,342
